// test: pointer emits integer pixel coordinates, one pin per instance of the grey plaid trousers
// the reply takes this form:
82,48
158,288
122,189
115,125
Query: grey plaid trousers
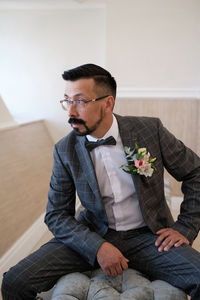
40,271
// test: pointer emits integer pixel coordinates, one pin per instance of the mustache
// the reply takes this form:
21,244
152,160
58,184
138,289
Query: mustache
76,121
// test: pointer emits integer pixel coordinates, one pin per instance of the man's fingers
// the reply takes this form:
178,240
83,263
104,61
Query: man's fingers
124,264
117,269
168,238
179,243
162,230
113,272
111,260
107,271
165,245
162,236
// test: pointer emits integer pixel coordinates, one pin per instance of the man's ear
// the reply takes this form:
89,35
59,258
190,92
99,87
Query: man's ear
110,102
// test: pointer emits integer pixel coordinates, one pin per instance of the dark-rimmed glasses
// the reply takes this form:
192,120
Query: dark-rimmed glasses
79,104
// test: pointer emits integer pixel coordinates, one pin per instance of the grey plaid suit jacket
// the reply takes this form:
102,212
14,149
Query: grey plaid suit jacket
73,172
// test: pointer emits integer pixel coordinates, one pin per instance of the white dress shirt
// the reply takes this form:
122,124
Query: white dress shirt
116,186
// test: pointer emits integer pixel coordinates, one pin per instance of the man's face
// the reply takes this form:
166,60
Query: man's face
87,119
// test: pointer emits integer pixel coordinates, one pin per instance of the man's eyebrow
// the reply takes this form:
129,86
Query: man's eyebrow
76,95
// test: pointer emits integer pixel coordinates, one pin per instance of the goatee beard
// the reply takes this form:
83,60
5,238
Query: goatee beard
78,121
87,129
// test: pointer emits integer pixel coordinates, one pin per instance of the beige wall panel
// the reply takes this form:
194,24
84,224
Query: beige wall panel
26,162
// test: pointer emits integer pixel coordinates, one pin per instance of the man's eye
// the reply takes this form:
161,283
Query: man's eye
80,101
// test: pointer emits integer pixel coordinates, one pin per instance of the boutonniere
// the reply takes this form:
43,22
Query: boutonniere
140,160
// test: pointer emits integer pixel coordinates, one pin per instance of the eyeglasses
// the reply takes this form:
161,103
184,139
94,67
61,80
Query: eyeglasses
79,104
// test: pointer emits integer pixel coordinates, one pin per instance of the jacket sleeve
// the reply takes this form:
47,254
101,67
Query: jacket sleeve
184,165
61,211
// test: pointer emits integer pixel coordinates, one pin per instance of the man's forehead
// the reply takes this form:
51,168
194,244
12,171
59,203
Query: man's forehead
79,87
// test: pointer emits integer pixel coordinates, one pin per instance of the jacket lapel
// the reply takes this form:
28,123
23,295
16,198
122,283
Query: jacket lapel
129,138
87,165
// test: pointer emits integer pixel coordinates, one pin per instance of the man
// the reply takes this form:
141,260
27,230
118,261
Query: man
126,221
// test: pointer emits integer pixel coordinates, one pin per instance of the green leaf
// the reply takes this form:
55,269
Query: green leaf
127,149
136,147
140,155
130,171
151,160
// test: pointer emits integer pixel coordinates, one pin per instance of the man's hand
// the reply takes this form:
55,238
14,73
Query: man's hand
111,260
168,238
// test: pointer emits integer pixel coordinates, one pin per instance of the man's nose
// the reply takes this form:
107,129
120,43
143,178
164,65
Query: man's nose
72,111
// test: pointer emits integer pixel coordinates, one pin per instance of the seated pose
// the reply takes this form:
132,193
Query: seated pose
116,166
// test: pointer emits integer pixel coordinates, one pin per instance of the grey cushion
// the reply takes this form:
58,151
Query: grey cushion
132,285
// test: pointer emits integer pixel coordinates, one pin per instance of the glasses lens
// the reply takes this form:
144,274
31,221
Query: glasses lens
65,105
77,104
80,105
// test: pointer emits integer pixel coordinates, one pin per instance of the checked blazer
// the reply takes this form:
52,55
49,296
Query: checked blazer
73,172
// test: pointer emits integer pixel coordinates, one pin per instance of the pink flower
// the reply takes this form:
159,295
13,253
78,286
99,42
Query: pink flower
140,163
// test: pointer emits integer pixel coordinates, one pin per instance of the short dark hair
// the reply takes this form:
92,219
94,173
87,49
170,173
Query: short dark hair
101,76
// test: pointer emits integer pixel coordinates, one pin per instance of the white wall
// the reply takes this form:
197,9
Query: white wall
154,43
37,45
149,45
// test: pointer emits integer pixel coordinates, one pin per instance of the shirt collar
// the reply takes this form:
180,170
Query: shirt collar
113,131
